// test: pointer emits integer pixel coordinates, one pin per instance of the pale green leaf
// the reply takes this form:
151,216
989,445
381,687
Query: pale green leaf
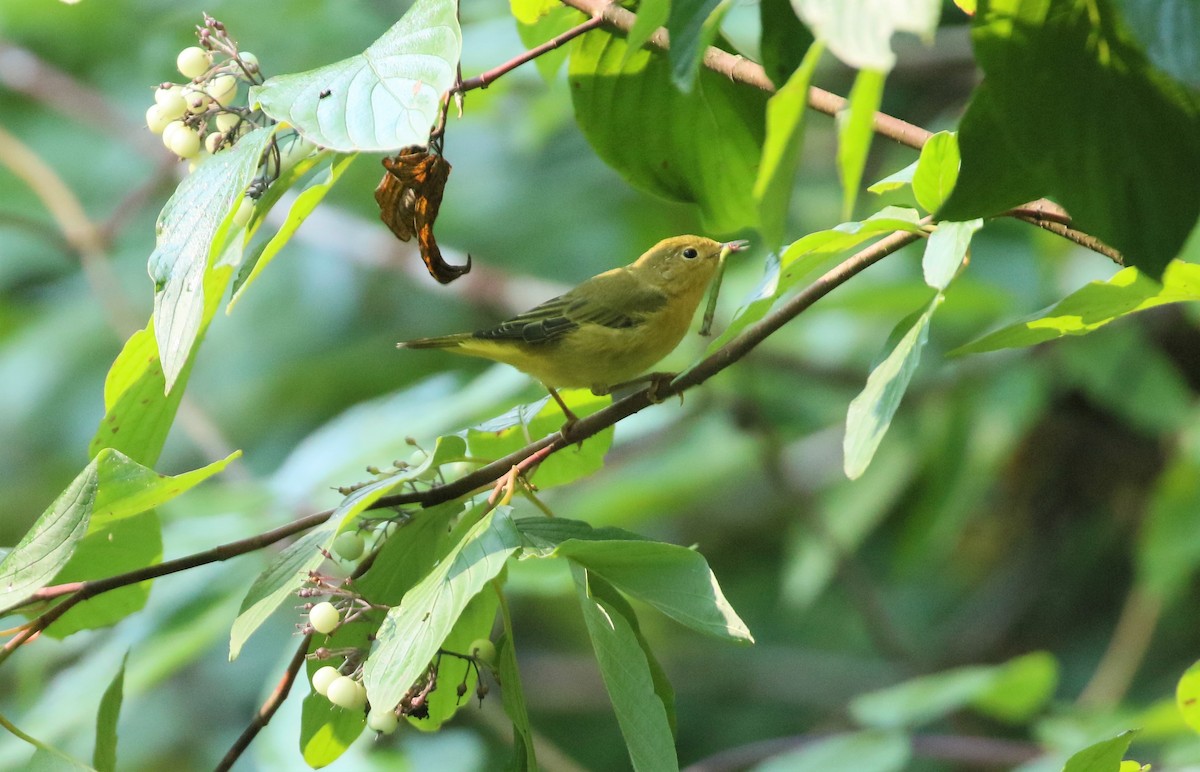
191,231
937,171
871,412
627,677
945,250
651,14
1094,306
303,205
781,149
475,622
383,99
872,750
895,181
412,631
1104,756
859,32
855,131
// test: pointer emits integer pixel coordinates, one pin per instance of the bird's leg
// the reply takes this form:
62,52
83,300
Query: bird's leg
657,381
572,419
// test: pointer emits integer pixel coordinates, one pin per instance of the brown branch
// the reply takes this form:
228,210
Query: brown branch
264,714
744,71
485,79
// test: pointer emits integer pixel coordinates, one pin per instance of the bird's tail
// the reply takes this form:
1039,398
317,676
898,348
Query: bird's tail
444,341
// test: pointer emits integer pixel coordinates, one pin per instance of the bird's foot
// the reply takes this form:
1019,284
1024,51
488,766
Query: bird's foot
658,382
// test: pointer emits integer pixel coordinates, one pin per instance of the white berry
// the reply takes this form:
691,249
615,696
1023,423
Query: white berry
382,721
250,60
349,545
223,89
323,678
227,121
324,618
345,692
214,141
193,62
170,101
182,140
156,120
197,101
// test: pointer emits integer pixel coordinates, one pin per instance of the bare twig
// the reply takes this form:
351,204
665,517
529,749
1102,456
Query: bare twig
1126,650
485,79
263,716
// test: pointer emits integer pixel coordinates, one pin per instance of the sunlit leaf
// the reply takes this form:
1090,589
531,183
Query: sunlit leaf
895,181
945,250
383,99
859,32
855,131
1187,696
1094,306
1101,757
937,171
191,230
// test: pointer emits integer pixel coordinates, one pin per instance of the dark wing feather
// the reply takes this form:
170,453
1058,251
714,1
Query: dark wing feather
620,301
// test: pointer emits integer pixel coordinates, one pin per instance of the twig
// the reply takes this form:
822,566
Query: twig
263,716
485,79
743,70
1126,650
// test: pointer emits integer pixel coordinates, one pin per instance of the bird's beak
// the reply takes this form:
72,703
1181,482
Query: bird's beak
736,246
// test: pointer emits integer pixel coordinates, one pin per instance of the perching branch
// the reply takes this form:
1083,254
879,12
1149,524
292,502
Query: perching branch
1050,216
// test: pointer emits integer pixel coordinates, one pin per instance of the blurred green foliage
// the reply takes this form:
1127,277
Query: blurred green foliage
1041,500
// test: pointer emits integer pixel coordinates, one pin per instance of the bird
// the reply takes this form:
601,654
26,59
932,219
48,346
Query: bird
608,329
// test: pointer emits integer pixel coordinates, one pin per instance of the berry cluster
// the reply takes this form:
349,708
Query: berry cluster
201,116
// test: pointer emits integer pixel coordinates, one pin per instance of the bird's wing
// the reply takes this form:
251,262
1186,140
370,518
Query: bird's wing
614,299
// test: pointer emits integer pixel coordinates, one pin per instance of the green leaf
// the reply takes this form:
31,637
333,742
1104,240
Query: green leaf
781,150
855,131
1167,31
1069,104
138,410
651,14
383,99
702,147
692,25
512,431
412,632
1104,756
945,250
546,22
871,750
871,412
1012,691
512,695
110,490
784,39
303,205
937,171
540,536
48,544
289,570
859,32
408,555
1094,306
641,714
1187,696
675,580
191,231
475,622
895,181
1168,549
104,757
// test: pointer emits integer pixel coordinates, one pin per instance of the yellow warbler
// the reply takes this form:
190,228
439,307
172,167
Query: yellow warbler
608,329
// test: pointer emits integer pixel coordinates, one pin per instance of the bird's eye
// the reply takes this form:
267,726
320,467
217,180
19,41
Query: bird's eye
690,253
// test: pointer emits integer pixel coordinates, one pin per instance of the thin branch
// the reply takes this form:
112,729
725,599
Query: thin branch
264,714
485,79
744,71
1126,650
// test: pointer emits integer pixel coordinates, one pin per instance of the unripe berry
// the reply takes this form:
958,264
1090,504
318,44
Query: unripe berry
182,140
244,211
349,545
223,89
227,121
214,141
382,721
323,678
170,101
197,101
324,618
155,119
193,62
483,650
250,60
345,692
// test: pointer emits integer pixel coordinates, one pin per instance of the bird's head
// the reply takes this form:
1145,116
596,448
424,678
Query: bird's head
683,264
